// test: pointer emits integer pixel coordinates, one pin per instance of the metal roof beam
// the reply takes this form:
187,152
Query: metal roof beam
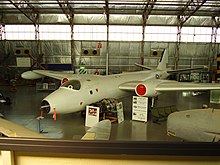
23,6
106,11
187,11
67,9
147,10
216,21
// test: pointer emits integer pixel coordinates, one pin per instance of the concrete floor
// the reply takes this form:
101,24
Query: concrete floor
25,109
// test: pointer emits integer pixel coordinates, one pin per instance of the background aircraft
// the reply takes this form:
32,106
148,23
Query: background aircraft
77,91
100,131
200,125
10,129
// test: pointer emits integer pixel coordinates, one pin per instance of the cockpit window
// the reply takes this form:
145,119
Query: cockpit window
73,84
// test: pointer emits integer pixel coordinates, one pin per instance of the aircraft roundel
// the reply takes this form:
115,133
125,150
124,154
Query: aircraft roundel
64,80
141,89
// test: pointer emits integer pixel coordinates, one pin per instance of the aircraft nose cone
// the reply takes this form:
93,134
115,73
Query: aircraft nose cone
62,101
45,106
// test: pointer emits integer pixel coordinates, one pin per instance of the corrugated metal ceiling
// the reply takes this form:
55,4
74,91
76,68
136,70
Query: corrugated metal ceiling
152,7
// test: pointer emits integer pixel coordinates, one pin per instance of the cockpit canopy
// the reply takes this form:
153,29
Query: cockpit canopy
72,84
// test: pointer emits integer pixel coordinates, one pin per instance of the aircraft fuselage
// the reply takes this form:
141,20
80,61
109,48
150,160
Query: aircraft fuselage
82,90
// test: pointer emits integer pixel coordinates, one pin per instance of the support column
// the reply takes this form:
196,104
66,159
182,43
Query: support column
142,45
69,12
73,58
2,28
106,14
144,21
37,34
146,12
187,11
213,54
2,31
177,53
107,50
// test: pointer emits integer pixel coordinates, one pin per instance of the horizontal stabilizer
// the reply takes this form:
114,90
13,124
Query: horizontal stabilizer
142,66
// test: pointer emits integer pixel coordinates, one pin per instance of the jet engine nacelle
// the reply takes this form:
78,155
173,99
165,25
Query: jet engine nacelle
146,89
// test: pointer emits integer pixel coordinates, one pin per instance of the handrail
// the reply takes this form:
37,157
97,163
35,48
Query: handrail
111,147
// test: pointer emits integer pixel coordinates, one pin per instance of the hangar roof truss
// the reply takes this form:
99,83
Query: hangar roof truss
180,9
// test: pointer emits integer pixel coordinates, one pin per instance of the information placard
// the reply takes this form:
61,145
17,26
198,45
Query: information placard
120,112
92,116
139,108
215,96
23,61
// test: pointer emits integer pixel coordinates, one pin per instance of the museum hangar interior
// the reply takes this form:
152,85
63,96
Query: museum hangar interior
107,38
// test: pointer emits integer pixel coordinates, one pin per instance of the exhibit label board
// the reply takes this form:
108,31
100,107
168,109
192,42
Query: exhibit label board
139,108
23,61
92,116
120,113
215,96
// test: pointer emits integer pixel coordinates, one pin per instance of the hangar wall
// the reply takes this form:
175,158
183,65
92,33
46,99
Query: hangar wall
122,54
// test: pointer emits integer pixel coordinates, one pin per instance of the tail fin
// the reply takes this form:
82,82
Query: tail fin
163,61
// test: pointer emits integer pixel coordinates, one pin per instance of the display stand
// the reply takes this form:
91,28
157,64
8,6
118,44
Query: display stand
92,115
39,125
139,108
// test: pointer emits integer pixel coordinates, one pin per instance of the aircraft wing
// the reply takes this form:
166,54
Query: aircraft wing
35,74
10,129
129,86
170,85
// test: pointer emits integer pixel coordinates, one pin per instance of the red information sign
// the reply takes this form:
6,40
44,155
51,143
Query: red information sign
99,45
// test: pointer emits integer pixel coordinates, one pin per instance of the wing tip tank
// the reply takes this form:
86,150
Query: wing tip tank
31,75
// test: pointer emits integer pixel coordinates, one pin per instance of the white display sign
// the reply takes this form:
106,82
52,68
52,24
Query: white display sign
120,113
92,116
45,86
23,61
139,108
